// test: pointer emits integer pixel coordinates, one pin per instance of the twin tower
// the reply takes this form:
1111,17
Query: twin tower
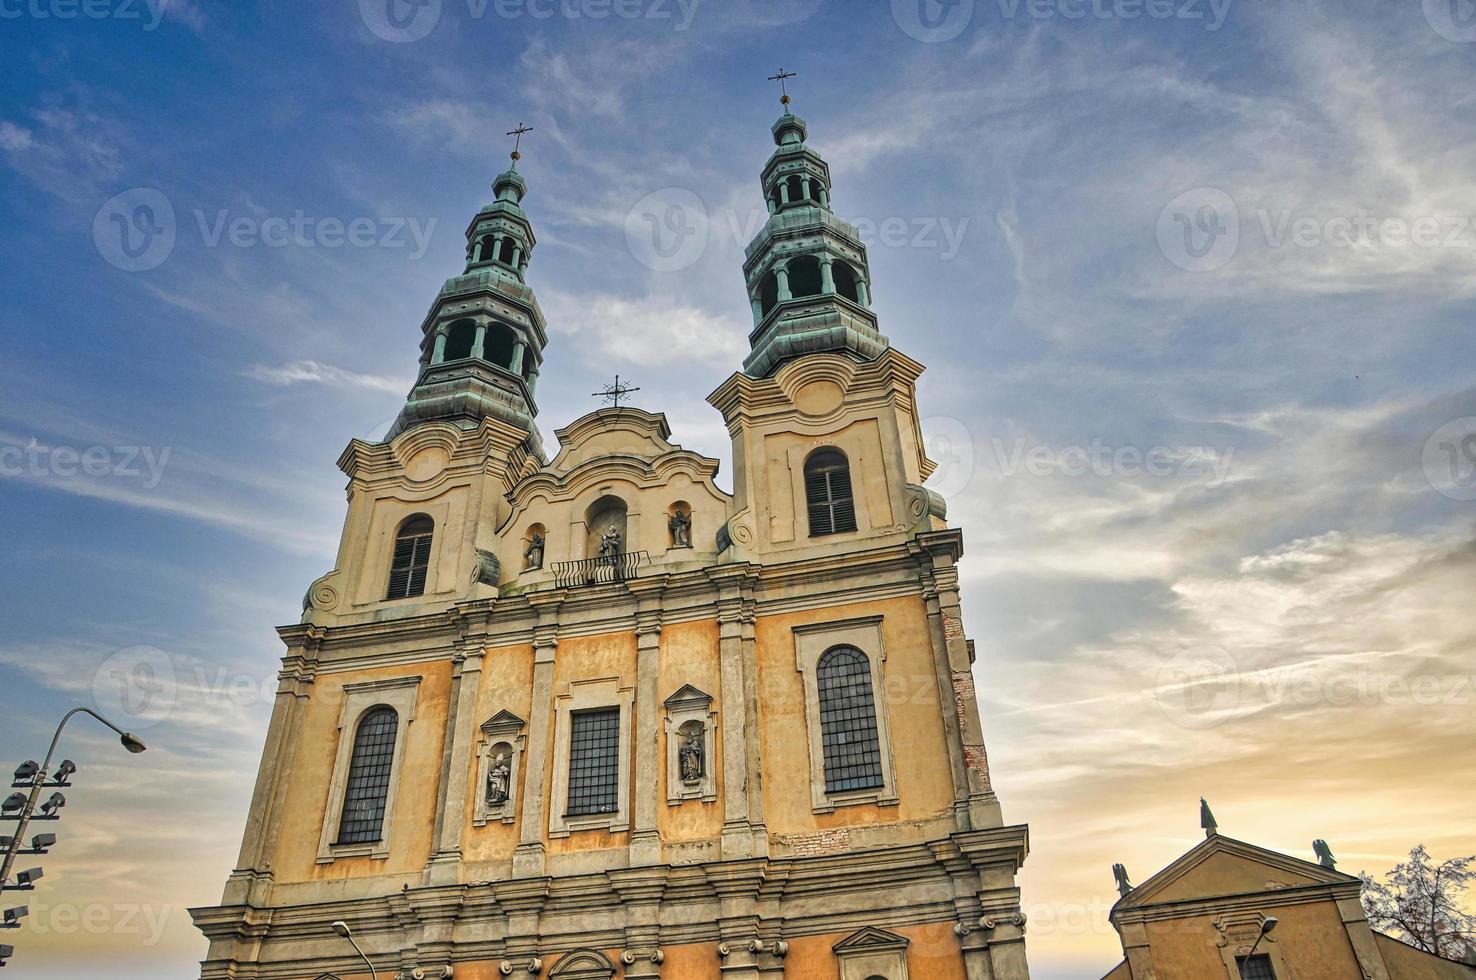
595,716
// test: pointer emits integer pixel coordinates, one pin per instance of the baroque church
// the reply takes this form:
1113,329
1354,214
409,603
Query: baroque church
593,716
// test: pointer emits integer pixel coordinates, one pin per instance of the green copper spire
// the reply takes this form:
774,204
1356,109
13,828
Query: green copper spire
482,342
807,271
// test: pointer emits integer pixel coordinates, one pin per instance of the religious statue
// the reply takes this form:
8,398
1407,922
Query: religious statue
690,755
499,775
681,529
534,552
610,543
1120,873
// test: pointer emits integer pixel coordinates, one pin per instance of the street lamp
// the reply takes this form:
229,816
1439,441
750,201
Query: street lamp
342,929
1267,924
21,807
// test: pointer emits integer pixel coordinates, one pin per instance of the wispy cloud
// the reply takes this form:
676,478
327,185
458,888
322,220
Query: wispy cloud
312,372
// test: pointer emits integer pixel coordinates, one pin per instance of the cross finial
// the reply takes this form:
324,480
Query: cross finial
783,78
615,392
518,140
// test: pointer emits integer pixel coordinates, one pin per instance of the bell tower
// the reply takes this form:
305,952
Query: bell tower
807,272
483,340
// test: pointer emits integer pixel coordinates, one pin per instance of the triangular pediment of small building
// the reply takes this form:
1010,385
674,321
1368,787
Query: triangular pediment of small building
870,939
688,695
503,721
1222,866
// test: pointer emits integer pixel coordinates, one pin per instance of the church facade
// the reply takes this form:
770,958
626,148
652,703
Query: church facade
594,716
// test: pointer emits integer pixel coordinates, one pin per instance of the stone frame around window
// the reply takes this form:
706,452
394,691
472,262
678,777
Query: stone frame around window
687,705
503,728
811,642
605,692
872,952
1238,932
398,693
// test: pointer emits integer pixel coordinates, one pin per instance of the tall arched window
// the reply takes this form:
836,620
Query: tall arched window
804,276
828,493
460,338
369,777
848,721
498,346
845,281
411,558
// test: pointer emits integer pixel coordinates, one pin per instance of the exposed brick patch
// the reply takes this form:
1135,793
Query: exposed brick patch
978,762
952,627
817,845
963,696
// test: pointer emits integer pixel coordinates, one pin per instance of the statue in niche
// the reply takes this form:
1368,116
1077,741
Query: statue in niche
499,778
534,552
681,529
691,755
610,543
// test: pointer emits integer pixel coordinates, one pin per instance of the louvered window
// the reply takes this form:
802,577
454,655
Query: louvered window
828,493
594,762
848,721
411,559
369,777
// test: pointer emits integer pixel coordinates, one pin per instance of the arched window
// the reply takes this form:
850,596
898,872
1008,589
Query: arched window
487,247
828,493
845,281
498,345
369,777
848,721
804,276
796,189
505,255
460,338
411,558
768,293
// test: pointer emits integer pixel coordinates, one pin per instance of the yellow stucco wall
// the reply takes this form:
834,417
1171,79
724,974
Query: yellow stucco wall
1310,939
689,655
507,685
317,746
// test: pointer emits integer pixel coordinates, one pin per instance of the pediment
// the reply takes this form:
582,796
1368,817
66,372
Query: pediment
502,723
326,976
1222,866
870,940
583,964
688,696
613,432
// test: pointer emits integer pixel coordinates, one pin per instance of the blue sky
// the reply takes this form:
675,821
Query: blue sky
1195,288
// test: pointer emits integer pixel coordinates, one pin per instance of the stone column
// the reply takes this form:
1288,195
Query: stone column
781,274
528,858
645,838
824,197
784,191
461,719
517,258
440,352
975,954
773,205
863,292
805,187
742,792
497,247
532,379
477,250
640,891
758,311
520,350
1007,949
827,274
479,345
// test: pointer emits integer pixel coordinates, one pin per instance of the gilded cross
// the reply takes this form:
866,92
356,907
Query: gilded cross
518,139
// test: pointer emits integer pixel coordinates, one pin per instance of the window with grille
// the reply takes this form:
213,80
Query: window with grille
369,777
594,762
828,493
411,558
1256,967
848,721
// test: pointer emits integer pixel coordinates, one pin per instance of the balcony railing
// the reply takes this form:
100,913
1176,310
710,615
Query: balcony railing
604,568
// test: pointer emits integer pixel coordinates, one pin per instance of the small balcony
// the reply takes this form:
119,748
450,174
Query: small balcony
599,570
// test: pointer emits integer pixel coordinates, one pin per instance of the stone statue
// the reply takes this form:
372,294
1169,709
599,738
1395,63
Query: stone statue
499,775
1324,854
1123,885
610,543
681,529
690,755
534,552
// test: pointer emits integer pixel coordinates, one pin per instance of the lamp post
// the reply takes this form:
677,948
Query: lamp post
1267,924
342,929
37,778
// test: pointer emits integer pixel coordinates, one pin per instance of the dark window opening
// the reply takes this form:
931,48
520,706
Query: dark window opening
768,293
594,762
505,256
497,346
460,339
848,722
1256,967
845,281
828,493
369,777
411,559
804,276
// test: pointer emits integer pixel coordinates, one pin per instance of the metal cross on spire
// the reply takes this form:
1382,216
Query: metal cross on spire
518,140
783,78
615,392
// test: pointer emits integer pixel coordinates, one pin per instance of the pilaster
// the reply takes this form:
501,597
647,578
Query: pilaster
743,827
645,838
444,867
528,859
